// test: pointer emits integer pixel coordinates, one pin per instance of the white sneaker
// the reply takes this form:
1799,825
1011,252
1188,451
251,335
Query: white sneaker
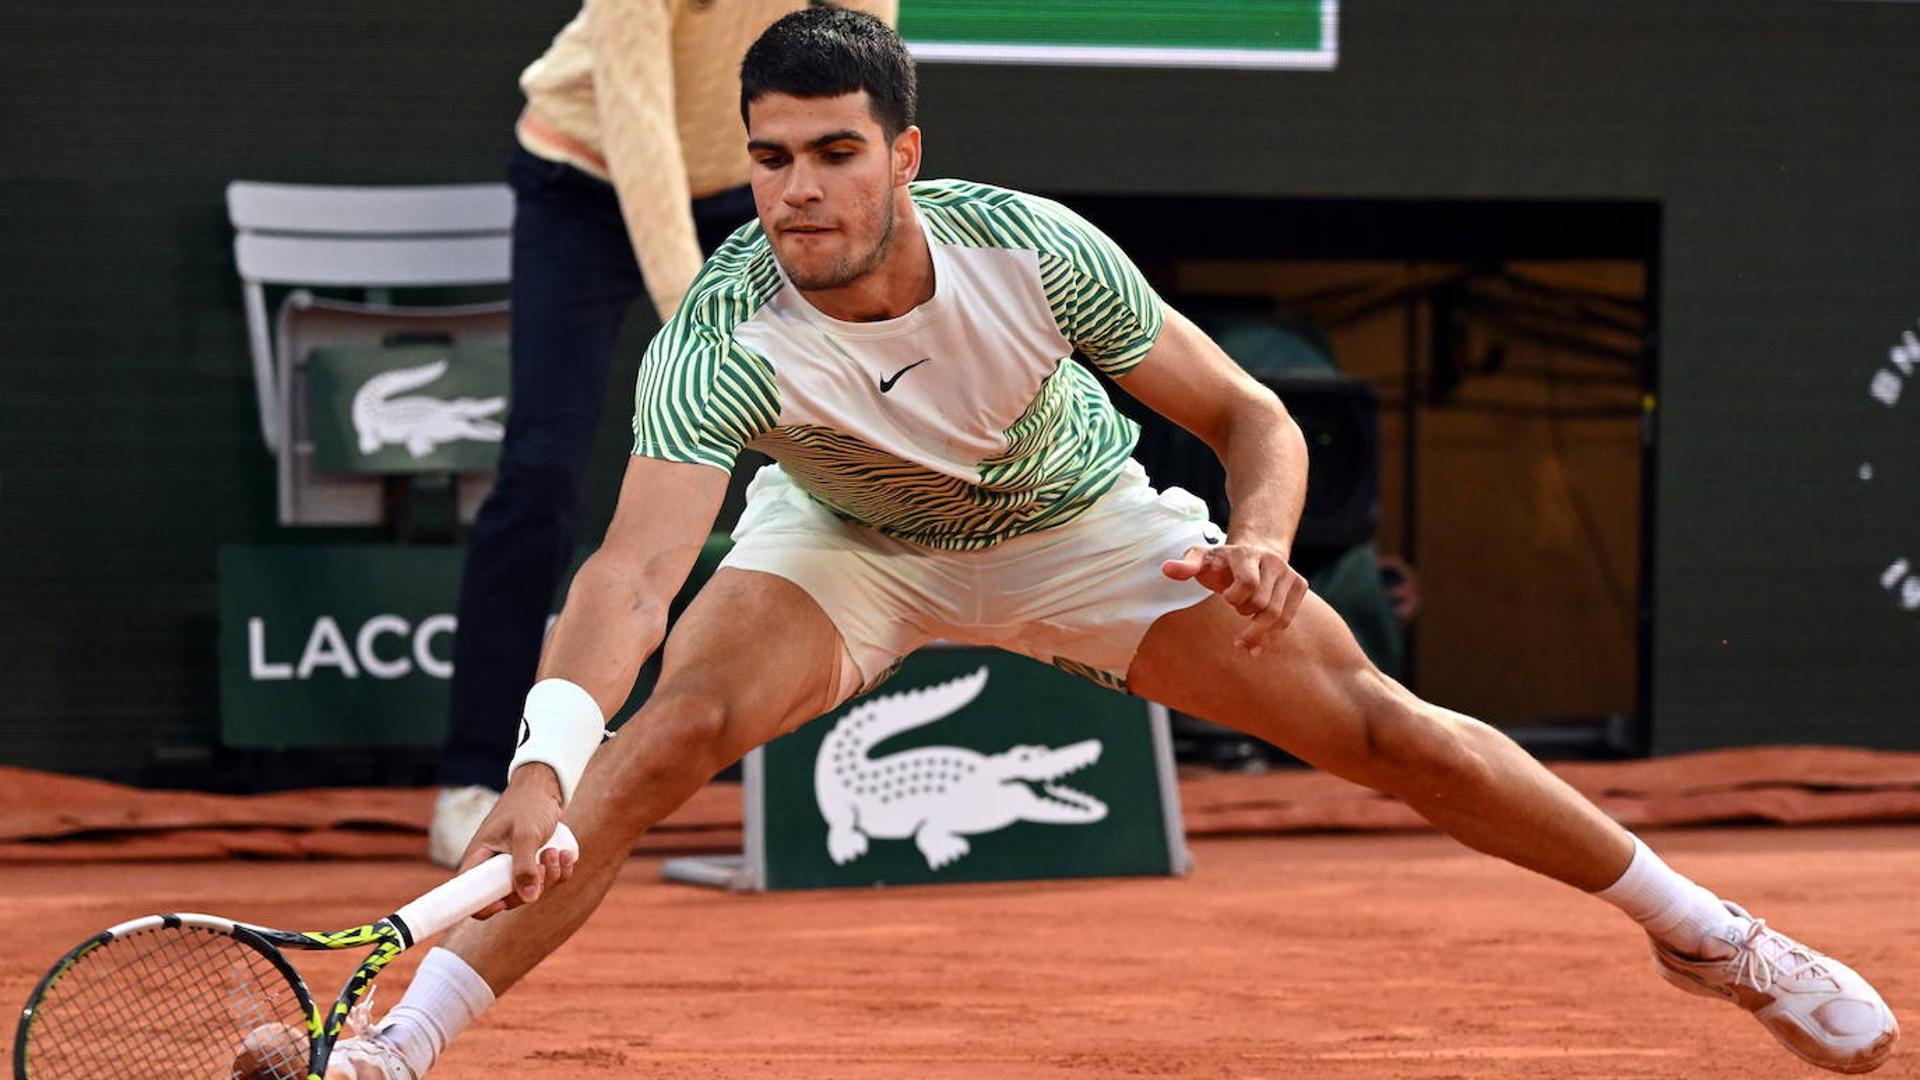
1817,1007
367,1057
457,814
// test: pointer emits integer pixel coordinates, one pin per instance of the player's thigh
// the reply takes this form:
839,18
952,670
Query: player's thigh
1311,691
758,648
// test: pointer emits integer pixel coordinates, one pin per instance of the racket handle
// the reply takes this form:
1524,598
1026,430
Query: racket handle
457,899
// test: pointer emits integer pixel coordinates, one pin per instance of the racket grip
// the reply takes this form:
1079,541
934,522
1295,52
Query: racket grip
492,880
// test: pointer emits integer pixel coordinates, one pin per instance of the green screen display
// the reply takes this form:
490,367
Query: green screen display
1212,33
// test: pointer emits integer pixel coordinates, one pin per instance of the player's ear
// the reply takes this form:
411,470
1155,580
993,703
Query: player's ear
906,156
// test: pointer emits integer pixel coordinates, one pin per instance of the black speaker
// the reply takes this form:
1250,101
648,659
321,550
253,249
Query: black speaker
1340,417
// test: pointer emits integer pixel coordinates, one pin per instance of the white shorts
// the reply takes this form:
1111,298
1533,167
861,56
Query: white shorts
1079,596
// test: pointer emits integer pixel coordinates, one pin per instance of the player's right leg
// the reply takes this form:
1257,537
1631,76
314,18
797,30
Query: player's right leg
752,658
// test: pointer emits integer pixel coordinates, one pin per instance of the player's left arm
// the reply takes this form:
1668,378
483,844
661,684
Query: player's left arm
1188,379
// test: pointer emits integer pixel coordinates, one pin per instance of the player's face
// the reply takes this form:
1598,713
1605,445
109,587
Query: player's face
824,176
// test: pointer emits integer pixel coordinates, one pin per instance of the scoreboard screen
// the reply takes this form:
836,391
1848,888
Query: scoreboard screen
1124,33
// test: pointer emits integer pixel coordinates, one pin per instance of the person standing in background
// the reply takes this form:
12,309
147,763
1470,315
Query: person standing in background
631,165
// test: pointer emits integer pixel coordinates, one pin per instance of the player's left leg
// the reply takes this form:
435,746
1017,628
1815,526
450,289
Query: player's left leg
1315,694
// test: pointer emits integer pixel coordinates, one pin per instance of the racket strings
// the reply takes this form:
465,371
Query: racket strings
170,1002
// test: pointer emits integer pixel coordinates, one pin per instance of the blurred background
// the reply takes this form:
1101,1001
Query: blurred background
1601,317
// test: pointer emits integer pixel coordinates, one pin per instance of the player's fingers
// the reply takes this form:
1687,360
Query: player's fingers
527,874
480,851
553,867
1253,638
1243,569
477,853
1296,595
1187,566
1264,608
1268,575
481,848
1257,606
1213,573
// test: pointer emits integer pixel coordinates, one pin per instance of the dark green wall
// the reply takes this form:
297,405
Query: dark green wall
129,445
1782,141
1779,138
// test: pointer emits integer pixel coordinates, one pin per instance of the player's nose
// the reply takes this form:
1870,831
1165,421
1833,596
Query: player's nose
803,185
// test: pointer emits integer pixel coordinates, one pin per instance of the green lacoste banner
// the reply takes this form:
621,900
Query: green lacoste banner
336,646
969,765
409,409
352,645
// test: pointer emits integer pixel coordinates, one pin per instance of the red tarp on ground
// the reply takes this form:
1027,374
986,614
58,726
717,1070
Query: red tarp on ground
46,817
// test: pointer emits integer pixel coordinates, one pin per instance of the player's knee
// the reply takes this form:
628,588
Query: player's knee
1422,751
684,728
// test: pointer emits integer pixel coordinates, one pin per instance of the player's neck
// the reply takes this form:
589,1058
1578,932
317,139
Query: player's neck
902,281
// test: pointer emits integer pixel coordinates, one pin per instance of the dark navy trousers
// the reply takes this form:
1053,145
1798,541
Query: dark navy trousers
574,280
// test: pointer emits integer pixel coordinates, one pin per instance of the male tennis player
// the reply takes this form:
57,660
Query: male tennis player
901,349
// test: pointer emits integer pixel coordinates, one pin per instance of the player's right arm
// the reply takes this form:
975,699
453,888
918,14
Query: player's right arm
616,609
614,617
701,397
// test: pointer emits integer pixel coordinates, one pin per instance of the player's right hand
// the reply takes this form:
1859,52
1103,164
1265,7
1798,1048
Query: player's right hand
521,821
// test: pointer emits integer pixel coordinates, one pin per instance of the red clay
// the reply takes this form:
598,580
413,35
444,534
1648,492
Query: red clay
1395,955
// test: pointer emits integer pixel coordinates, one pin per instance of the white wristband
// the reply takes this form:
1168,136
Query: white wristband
560,728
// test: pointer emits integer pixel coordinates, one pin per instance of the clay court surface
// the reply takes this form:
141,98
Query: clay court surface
1350,955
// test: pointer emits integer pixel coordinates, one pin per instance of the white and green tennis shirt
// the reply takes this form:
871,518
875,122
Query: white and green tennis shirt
957,425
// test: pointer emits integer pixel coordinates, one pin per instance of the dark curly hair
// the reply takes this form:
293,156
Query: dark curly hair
825,51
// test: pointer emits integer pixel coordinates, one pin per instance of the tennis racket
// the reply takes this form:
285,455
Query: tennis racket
198,997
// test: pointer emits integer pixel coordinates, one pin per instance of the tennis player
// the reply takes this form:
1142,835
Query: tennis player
945,470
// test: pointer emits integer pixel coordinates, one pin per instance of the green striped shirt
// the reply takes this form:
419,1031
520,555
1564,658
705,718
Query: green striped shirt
962,423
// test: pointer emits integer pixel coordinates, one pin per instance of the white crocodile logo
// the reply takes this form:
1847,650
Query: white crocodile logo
419,423
938,795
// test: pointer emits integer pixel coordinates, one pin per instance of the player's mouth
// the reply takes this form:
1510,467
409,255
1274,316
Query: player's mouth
806,230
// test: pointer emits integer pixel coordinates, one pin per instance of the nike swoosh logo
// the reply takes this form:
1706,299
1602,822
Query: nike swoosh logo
886,384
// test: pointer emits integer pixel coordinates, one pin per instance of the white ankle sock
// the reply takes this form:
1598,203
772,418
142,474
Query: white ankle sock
446,995
1669,906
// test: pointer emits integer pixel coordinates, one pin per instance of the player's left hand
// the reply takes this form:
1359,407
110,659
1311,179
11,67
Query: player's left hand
1253,578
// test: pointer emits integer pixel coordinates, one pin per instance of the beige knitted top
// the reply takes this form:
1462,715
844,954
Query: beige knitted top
646,95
